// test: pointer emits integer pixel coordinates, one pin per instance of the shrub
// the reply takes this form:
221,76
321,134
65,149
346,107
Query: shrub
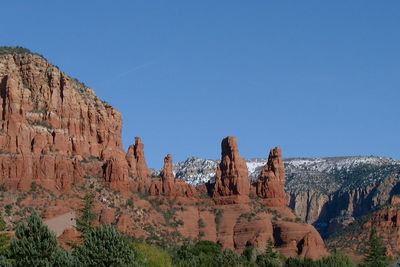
152,255
106,246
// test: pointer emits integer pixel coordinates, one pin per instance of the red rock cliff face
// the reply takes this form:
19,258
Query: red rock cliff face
232,178
48,122
271,183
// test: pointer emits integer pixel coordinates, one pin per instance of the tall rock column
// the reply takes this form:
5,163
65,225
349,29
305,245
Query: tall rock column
168,179
232,178
271,183
137,166
130,158
141,166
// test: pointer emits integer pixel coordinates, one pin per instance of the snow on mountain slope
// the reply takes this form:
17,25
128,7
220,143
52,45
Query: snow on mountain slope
197,171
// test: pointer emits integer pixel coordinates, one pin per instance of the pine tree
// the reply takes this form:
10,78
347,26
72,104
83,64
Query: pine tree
376,253
4,236
86,216
270,257
35,245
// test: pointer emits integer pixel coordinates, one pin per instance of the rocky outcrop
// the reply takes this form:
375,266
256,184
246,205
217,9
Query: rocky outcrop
116,173
49,122
141,166
271,183
232,179
294,239
168,179
170,186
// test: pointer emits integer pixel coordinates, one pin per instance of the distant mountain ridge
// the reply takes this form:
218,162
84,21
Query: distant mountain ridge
327,192
197,171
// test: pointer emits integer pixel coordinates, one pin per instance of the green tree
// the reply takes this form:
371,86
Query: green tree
4,236
270,257
229,258
185,258
35,245
4,262
106,246
152,255
86,215
376,253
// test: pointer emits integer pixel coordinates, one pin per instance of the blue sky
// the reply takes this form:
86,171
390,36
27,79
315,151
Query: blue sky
317,78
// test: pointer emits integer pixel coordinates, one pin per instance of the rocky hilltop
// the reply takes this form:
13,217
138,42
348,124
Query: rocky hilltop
326,192
58,142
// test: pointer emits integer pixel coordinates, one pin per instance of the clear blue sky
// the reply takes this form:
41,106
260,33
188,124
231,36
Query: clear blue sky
317,78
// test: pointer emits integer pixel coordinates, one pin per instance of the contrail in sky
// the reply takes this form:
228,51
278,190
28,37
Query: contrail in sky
135,69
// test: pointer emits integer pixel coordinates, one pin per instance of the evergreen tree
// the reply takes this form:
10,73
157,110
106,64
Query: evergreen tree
229,258
4,236
270,257
376,253
35,245
86,215
106,246
4,262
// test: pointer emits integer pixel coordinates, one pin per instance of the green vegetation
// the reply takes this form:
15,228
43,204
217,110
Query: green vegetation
14,50
106,246
270,257
86,215
36,245
152,256
39,123
4,237
376,253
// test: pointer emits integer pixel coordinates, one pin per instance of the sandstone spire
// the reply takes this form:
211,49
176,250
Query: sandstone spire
232,174
168,183
130,158
271,183
141,166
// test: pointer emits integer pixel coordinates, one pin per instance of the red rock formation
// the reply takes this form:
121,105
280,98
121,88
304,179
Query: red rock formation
47,120
169,185
141,166
271,183
116,173
168,178
232,177
130,158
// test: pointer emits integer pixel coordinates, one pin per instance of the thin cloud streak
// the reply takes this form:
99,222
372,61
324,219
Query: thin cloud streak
135,69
